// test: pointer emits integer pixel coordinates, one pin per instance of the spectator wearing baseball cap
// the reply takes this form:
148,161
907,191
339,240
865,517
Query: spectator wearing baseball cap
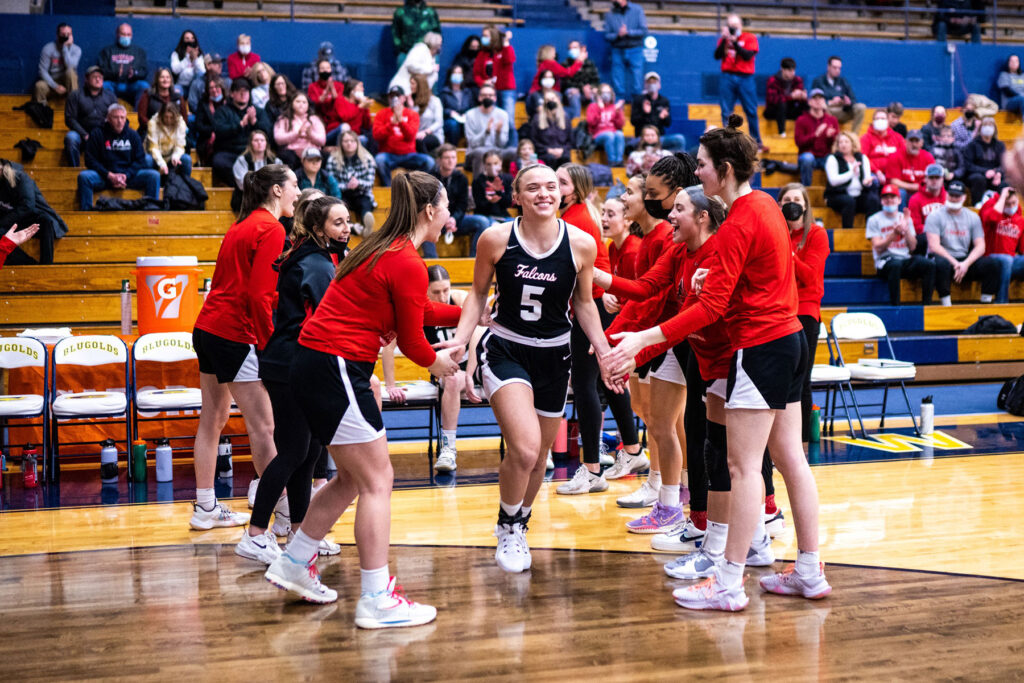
313,174
906,168
893,241
233,123
85,110
850,187
213,69
310,72
815,136
930,197
1003,224
956,241
651,108
394,130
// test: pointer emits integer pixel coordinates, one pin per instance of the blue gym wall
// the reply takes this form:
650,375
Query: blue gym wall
918,74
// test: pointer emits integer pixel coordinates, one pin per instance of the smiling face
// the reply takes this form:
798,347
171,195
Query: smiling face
538,193
650,136
439,291
706,173
632,200
280,87
436,216
164,79
337,226
289,194
843,145
685,225
565,186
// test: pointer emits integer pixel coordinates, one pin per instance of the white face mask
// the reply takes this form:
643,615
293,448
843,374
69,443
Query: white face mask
244,49
988,131
880,125
954,206
1010,210
547,83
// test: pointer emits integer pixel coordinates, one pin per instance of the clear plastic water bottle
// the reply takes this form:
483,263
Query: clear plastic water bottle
126,307
108,462
28,465
164,461
225,467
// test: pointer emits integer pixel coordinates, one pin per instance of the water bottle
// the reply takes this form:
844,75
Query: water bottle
126,307
225,469
927,415
207,283
28,465
139,464
815,423
164,461
108,462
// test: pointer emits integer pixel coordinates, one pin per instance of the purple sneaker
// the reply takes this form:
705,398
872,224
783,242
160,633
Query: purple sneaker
684,495
658,520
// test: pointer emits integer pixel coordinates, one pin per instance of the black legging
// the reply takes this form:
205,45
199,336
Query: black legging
812,327
695,420
586,374
297,453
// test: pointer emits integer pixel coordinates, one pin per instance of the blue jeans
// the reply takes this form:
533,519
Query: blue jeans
573,103
732,87
73,146
473,225
507,98
1015,104
673,142
1010,267
628,85
186,162
128,91
387,162
808,164
453,131
89,181
614,143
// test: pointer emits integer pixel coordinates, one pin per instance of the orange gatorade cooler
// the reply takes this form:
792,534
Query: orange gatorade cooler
168,293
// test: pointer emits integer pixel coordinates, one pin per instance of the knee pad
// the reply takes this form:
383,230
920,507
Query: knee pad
716,458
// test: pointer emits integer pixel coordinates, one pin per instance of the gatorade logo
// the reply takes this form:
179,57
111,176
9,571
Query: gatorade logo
167,293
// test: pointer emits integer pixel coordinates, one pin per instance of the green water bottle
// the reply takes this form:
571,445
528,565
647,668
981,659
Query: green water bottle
815,424
139,461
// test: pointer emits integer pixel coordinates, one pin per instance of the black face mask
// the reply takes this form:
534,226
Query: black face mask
324,75
969,114
792,211
551,106
337,246
191,44
487,102
656,210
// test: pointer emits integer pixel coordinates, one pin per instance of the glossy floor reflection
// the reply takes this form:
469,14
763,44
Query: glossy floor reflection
202,612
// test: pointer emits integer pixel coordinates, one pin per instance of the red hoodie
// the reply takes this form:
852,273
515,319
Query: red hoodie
880,148
502,64
1003,234
809,263
396,138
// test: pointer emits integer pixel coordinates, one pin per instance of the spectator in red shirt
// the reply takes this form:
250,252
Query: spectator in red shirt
494,66
1003,224
395,130
929,198
880,144
353,111
605,121
786,97
241,60
737,50
906,169
324,93
815,135
547,61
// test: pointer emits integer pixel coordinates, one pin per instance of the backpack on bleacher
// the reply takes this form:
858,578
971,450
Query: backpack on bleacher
1011,396
991,324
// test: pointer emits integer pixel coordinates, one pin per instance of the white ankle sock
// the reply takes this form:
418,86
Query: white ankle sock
731,573
302,547
760,533
448,437
715,538
987,298
946,300
511,510
526,510
668,495
654,479
808,563
373,581
206,498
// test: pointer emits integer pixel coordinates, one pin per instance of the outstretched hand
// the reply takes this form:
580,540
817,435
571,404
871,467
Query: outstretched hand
19,237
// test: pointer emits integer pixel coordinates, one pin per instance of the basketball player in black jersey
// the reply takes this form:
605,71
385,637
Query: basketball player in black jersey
540,264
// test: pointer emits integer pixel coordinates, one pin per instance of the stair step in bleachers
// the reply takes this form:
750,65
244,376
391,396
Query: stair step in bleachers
66,199
917,318
63,177
872,291
455,14
125,249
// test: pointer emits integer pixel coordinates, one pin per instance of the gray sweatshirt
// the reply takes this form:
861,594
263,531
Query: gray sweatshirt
477,136
54,62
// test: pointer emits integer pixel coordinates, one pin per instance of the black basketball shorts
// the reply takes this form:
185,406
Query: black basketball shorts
230,361
543,368
769,375
336,397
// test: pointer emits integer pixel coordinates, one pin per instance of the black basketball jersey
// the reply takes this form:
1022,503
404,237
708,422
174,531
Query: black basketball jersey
534,290
436,335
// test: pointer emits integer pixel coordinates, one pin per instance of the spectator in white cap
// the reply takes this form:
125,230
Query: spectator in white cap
312,174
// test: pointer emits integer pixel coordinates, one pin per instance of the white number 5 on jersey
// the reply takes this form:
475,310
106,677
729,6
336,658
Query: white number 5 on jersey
531,304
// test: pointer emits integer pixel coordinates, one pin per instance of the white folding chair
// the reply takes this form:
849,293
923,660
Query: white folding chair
836,382
423,395
24,352
881,371
88,351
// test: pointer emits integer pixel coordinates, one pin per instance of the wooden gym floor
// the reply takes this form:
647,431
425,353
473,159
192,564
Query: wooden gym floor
923,552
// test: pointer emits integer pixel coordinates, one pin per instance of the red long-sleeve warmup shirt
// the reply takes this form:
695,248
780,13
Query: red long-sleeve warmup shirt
639,315
753,284
577,215
623,260
372,305
240,305
809,264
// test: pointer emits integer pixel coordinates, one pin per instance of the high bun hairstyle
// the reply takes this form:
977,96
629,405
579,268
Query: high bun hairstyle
730,146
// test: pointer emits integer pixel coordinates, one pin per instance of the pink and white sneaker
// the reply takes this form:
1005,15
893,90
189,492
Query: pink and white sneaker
660,519
788,582
711,594
391,609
